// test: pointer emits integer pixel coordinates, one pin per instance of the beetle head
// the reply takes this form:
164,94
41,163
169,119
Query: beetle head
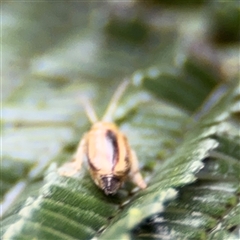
110,184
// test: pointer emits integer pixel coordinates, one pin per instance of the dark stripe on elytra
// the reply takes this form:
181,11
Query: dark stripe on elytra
113,139
127,157
89,161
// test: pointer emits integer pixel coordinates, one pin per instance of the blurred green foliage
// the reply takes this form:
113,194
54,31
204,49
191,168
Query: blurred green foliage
225,22
184,98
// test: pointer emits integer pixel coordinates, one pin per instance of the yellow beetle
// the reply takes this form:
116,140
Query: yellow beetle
109,156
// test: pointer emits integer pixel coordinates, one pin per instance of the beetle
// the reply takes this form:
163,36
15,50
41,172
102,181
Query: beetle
109,156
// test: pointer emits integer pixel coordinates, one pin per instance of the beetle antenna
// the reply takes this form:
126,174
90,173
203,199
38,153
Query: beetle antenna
114,101
89,110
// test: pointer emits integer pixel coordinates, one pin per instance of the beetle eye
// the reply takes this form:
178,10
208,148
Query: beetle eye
110,184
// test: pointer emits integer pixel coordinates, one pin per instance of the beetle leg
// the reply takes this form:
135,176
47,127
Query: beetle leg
135,174
71,168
